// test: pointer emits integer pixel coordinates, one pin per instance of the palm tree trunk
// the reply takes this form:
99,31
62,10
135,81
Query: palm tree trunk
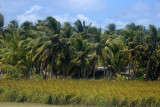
0,30
134,68
45,75
51,72
110,75
94,72
147,71
79,73
0,74
104,72
41,73
31,74
56,74
156,73
64,72
129,68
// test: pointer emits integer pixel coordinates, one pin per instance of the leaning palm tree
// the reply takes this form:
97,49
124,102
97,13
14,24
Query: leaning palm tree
47,51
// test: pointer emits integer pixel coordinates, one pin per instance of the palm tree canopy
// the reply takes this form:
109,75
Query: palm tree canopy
1,20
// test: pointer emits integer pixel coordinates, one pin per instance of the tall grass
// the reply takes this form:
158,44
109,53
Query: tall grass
82,92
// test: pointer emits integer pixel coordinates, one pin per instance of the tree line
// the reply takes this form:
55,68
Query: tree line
51,49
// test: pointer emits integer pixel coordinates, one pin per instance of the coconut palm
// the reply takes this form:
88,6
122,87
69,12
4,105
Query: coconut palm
81,60
53,24
1,21
111,28
152,42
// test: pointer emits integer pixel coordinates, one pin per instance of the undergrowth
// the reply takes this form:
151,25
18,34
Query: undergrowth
82,92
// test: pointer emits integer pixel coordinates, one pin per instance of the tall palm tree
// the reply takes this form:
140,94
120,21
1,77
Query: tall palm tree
81,60
48,51
115,59
152,42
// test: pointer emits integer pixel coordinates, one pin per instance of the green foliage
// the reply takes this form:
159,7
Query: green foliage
76,51
1,20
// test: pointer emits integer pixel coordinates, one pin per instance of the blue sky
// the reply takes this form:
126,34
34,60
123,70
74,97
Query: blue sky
99,12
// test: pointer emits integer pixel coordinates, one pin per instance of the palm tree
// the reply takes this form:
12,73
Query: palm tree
81,29
81,60
26,26
53,25
115,59
14,23
152,42
131,27
1,23
66,30
111,28
48,51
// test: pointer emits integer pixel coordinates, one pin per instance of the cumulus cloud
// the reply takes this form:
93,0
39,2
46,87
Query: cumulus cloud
30,15
34,9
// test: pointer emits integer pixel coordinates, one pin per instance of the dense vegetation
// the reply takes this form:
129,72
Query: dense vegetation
49,49
82,92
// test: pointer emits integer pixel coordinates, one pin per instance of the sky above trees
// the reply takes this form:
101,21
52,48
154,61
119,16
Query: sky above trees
99,12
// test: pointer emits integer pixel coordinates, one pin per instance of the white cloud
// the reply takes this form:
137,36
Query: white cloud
24,17
34,9
65,18
72,19
87,20
30,15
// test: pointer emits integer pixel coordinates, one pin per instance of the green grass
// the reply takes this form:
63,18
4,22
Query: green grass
82,92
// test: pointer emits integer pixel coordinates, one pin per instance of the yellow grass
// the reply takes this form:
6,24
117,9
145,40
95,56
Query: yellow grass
87,92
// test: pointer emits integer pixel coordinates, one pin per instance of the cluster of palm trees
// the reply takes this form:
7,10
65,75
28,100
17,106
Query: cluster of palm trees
50,49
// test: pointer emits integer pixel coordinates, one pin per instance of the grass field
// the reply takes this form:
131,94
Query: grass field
82,92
